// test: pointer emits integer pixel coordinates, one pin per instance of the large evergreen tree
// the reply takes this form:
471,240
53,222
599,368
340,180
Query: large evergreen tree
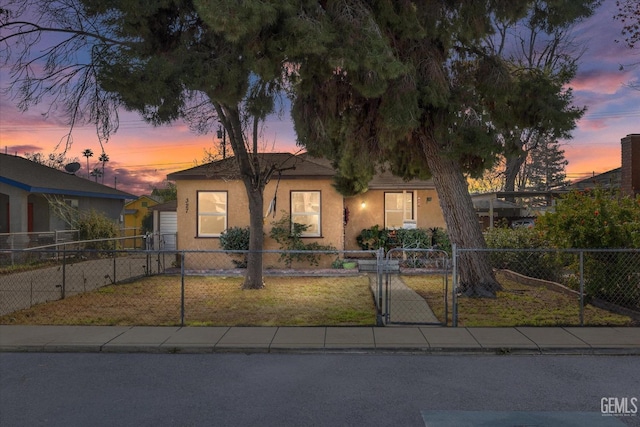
414,85
546,167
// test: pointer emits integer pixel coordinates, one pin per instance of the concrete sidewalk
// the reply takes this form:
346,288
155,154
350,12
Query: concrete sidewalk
409,339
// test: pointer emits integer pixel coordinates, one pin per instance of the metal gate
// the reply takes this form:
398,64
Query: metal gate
414,281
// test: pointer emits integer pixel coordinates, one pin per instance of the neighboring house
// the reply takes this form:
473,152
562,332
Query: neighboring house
212,198
607,180
135,211
625,178
26,185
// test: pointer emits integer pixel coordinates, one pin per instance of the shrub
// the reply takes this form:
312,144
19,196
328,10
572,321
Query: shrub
236,239
440,239
539,264
93,225
289,236
374,238
416,238
593,219
147,223
413,238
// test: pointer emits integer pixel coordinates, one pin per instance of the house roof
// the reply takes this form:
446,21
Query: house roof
141,198
294,167
609,179
169,206
36,178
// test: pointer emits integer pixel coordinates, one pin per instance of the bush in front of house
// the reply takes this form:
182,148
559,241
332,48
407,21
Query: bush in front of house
236,239
289,236
93,225
374,238
440,239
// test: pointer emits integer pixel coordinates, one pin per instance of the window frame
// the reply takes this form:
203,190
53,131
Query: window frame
199,214
317,214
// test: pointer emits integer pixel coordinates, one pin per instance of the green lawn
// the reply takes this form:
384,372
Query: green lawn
213,301
515,305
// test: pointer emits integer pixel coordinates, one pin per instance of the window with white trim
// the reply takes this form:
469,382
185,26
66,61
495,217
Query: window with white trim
398,208
305,209
212,213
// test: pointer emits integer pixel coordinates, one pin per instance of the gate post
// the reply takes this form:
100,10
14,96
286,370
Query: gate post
454,286
380,259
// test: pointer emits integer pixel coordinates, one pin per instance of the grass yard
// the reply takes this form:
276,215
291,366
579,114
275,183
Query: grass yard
516,305
213,301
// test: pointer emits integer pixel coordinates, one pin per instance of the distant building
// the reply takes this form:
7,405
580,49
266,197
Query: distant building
26,188
625,178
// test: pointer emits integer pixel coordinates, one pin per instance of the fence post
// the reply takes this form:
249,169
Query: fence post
64,271
446,291
182,289
114,267
581,288
12,249
454,285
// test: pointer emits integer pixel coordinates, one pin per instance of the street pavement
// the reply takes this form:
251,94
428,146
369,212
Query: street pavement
403,339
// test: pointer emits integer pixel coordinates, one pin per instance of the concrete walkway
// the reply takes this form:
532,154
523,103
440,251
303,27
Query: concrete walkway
403,305
406,306
428,340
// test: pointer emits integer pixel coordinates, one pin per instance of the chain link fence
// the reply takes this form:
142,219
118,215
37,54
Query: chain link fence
572,281
93,283
147,287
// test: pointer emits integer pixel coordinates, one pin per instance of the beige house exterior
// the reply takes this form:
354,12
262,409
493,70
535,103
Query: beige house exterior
212,199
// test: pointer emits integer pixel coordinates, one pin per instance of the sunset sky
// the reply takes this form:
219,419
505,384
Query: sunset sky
141,156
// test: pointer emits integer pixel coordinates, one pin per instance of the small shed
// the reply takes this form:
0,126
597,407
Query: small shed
165,225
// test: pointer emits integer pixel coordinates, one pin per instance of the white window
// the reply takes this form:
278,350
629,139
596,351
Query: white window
212,213
305,209
398,208
73,203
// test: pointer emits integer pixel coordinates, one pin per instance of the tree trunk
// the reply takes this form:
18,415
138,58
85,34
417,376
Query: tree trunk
253,278
513,164
476,276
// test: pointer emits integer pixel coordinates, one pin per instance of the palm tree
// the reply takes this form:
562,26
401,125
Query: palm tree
96,172
103,158
87,153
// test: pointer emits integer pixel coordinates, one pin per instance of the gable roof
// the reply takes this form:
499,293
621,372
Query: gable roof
294,166
36,178
142,198
609,179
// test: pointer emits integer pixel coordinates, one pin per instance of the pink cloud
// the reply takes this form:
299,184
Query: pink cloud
601,81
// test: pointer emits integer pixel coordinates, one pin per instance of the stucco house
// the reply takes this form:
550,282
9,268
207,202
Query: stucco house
26,185
211,199
135,211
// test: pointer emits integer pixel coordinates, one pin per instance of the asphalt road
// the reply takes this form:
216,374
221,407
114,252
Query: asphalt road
38,389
